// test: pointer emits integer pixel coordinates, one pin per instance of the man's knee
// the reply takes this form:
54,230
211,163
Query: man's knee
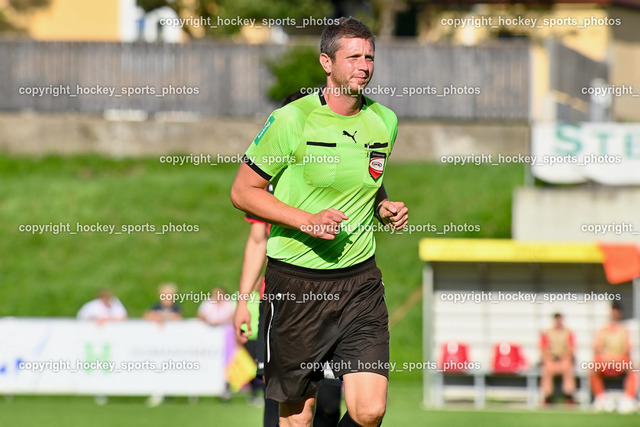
297,414
369,414
366,397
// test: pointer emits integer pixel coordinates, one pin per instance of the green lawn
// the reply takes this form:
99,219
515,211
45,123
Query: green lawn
53,275
404,410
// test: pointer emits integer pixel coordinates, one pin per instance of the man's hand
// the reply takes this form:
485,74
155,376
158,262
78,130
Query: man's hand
394,213
325,224
242,317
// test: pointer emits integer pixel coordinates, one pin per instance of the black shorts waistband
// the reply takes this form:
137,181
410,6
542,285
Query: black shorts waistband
322,274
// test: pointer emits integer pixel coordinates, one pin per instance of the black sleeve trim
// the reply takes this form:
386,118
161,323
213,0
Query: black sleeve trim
256,169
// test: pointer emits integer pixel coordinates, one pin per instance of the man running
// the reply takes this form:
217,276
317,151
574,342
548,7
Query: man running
326,154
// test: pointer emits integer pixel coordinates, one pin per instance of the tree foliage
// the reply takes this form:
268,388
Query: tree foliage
17,7
27,5
298,68
243,9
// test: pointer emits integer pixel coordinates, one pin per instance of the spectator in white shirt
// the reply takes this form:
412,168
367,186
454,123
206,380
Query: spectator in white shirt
218,310
104,308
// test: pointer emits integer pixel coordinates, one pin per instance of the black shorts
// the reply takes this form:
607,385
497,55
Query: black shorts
336,318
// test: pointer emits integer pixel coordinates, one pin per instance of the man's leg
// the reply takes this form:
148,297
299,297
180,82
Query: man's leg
271,413
366,396
328,404
631,384
297,414
568,378
597,384
546,381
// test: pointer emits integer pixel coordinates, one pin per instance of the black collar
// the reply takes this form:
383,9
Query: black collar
321,94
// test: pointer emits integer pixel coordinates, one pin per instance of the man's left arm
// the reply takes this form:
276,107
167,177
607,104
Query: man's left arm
388,212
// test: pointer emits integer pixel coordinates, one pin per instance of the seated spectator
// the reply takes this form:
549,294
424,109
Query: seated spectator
104,308
612,348
557,346
218,310
166,308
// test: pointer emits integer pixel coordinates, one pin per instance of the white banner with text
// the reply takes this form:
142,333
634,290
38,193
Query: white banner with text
133,357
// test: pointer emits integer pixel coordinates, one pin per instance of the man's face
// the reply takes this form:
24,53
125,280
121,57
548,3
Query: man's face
167,298
558,321
352,67
616,315
217,295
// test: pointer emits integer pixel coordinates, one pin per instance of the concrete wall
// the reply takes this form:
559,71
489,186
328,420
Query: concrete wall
75,134
562,214
539,213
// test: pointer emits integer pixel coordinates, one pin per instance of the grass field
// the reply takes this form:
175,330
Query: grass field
404,410
53,275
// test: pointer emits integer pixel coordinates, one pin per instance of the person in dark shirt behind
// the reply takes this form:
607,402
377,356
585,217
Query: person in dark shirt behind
165,309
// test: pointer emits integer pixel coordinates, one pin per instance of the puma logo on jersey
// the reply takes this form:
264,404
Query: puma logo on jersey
344,132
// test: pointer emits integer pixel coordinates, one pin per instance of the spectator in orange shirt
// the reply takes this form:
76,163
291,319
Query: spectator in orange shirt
612,357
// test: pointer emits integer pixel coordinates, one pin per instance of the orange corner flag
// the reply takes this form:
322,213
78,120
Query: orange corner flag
621,262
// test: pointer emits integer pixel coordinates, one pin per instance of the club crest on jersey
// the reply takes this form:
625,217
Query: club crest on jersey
376,164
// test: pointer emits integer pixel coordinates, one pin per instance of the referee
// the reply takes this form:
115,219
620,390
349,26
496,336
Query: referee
326,154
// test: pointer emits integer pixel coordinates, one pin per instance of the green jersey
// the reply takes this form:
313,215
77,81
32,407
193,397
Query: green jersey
318,159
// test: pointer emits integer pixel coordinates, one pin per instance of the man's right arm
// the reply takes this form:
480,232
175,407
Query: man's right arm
248,195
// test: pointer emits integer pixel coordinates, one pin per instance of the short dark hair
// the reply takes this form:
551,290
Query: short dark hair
616,306
556,315
350,28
